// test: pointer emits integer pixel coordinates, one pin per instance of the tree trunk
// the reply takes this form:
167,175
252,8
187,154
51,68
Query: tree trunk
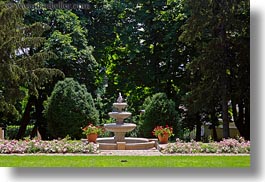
238,118
225,118
247,122
40,120
25,118
34,131
213,127
242,122
198,127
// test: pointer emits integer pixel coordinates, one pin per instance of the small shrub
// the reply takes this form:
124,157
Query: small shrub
12,130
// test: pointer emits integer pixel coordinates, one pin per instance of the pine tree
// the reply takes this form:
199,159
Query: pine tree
22,64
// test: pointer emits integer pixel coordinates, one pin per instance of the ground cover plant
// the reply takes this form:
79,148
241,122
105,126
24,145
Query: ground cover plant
233,146
41,146
225,146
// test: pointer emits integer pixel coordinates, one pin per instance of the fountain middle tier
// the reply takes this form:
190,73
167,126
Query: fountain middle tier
119,116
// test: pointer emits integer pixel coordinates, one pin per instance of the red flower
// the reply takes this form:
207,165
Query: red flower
160,130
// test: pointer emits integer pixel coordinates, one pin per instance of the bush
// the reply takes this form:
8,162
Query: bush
159,111
12,130
69,108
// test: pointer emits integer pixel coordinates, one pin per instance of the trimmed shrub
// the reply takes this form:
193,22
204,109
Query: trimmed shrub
12,130
70,108
159,110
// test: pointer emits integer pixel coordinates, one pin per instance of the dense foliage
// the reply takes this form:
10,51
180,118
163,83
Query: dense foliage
196,52
69,108
22,69
12,130
160,111
219,81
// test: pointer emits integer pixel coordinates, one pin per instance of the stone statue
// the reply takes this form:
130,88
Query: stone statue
120,99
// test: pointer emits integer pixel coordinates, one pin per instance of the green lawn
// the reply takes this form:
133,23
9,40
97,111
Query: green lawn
124,161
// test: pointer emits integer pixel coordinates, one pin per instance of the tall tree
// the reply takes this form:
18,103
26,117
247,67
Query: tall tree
146,56
216,28
66,38
22,63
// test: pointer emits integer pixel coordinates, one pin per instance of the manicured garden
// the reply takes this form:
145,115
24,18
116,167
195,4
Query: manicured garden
184,76
72,153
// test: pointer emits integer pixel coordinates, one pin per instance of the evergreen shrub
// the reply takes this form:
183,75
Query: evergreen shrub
159,111
69,108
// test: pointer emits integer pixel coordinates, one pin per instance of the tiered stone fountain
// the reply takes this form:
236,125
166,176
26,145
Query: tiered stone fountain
119,141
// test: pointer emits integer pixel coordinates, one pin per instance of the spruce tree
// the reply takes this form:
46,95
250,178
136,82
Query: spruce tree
22,64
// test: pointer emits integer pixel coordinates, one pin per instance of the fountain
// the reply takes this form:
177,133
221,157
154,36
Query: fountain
119,141
119,128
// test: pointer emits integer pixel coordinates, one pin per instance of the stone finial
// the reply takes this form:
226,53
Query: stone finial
120,99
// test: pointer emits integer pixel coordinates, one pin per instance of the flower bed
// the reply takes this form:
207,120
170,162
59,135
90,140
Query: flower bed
234,146
40,146
73,146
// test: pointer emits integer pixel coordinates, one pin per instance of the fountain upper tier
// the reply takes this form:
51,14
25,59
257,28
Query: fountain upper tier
120,106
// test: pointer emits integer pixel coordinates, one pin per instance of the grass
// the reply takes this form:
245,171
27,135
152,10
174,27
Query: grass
125,161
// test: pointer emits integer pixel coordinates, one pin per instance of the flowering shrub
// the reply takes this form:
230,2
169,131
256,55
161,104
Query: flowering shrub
160,130
224,146
93,129
40,146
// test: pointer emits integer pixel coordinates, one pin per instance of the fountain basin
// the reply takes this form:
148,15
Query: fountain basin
119,130
130,143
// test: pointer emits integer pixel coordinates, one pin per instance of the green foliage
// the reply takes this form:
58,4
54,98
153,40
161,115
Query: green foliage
194,50
12,130
74,55
69,109
160,111
219,69
22,61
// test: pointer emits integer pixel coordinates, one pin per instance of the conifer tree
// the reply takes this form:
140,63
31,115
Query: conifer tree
22,64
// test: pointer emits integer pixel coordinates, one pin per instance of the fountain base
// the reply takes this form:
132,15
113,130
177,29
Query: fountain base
129,143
